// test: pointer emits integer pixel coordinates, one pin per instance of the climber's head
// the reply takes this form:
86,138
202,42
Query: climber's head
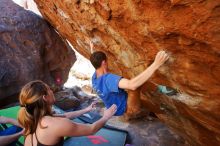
99,60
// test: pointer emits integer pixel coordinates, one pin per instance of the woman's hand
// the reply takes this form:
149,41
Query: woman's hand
91,107
108,113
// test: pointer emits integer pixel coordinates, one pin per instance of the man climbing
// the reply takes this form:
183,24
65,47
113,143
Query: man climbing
111,88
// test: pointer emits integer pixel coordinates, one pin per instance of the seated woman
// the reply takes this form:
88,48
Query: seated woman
9,135
41,127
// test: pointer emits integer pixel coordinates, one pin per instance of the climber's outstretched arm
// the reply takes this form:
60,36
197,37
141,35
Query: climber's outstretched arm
140,79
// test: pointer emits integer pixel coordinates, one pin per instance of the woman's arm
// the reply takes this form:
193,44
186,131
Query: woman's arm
69,128
5,140
75,114
6,120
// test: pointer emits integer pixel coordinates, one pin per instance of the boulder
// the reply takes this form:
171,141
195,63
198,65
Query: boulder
73,98
30,49
132,32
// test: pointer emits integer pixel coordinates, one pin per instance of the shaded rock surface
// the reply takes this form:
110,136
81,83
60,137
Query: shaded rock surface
144,132
30,49
72,98
132,32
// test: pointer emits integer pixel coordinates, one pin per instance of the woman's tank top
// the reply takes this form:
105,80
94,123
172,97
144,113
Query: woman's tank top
60,143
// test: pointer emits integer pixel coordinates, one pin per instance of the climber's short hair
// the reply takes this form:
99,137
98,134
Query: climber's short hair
96,58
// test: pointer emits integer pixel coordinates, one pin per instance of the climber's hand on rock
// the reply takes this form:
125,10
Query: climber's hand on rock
91,45
160,58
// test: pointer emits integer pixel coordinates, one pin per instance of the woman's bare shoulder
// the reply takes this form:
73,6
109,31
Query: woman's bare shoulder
56,121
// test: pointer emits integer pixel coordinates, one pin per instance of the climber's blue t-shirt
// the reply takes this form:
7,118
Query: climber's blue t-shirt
107,88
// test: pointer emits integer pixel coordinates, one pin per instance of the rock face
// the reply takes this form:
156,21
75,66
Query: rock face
30,49
132,32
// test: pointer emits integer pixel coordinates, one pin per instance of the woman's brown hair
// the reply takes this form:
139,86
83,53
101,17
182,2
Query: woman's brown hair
33,106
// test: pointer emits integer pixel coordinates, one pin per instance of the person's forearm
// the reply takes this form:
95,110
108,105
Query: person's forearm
75,114
6,120
13,122
98,125
143,77
5,140
3,120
